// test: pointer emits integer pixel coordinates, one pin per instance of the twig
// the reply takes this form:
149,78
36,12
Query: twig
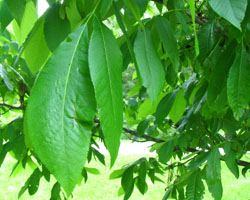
10,106
176,148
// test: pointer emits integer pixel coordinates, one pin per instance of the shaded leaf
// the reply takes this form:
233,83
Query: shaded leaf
56,29
149,64
195,187
5,15
165,106
230,159
238,84
168,40
213,168
17,8
179,106
105,62
231,10
34,57
165,152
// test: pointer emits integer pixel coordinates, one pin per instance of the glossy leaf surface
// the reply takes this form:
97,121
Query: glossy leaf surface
61,109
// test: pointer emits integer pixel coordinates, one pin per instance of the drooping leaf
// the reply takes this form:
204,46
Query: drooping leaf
149,64
169,41
105,62
5,15
207,38
165,106
213,169
230,159
55,192
195,187
219,73
166,150
17,8
105,6
216,190
56,29
34,57
133,7
73,14
238,90
141,181
127,182
28,20
61,109
231,10
34,181
179,106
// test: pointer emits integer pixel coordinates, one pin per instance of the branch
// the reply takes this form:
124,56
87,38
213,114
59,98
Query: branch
10,106
176,148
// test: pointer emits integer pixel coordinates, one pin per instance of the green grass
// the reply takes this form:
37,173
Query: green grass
99,187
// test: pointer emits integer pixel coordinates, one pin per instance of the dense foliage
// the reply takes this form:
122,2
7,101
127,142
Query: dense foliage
61,77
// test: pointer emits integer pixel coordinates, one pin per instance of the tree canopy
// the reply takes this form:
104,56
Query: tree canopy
61,79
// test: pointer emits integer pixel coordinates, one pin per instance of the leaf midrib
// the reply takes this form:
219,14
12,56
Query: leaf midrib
66,85
109,74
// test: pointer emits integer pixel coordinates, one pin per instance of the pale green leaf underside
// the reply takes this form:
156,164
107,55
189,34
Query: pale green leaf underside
231,10
105,62
149,64
61,109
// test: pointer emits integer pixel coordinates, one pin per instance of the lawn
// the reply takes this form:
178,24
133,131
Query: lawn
99,187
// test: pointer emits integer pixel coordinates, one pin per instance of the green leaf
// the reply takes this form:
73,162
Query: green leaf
28,20
5,15
141,181
165,106
149,64
105,7
92,170
216,190
34,181
198,161
168,40
230,159
34,57
165,152
56,29
231,10
213,168
127,182
17,8
206,39
61,109
116,173
238,84
73,14
195,187
55,192
133,7
219,73
105,62
4,76
179,106
148,108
